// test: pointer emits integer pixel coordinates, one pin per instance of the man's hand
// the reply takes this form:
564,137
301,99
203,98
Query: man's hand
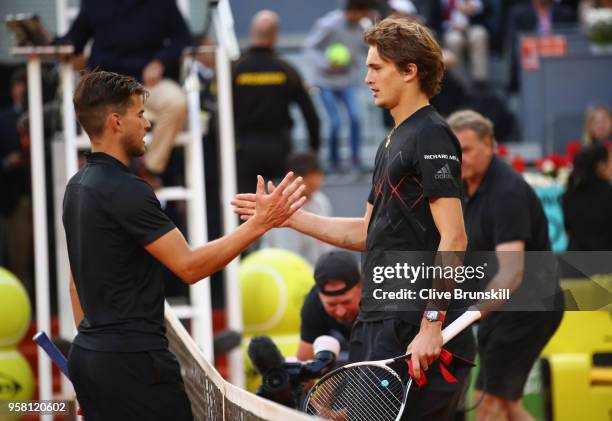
426,346
245,203
153,73
275,208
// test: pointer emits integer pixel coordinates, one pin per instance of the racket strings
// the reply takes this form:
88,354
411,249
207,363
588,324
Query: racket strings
355,398
365,392
346,399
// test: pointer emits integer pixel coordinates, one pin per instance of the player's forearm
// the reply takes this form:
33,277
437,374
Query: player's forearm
213,256
348,233
449,256
453,241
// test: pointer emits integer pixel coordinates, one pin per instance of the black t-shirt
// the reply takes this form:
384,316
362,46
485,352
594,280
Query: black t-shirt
316,321
110,214
586,214
505,208
422,160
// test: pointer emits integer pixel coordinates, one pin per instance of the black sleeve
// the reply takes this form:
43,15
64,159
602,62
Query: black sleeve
439,160
371,195
138,211
302,98
177,34
80,31
510,216
313,315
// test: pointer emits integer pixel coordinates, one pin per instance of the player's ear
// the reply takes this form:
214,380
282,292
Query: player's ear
410,72
113,122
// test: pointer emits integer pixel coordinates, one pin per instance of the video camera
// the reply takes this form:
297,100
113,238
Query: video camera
282,381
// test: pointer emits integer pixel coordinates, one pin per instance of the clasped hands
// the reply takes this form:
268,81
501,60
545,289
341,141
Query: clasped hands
275,207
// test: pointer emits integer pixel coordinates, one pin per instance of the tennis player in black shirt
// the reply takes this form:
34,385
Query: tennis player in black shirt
504,215
414,205
118,239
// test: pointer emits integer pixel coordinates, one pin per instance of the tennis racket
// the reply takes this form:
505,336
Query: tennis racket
52,351
370,390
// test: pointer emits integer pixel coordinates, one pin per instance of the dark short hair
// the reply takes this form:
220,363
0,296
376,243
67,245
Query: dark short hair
360,5
100,92
402,42
302,163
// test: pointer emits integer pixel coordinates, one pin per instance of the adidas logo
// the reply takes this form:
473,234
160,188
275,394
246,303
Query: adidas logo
443,173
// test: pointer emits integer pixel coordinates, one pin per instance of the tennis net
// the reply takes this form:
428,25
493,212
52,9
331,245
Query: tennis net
212,397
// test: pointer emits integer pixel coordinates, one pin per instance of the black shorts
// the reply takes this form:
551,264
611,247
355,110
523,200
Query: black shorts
508,344
438,399
128,385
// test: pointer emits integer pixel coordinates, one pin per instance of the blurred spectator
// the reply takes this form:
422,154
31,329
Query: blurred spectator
432,12
306,165
502,12
143,39
15,206
464,30
405,9
455,96
493,106
541,17
454,93
597,125
587,204
335,48
264,88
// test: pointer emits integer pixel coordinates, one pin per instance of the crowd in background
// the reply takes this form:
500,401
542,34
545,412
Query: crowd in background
147,43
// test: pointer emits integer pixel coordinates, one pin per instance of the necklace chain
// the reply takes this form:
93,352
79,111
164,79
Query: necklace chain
389,137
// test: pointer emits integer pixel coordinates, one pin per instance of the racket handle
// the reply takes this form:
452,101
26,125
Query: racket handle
460,323
52,351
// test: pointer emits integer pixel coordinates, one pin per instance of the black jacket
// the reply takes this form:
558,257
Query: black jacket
264,87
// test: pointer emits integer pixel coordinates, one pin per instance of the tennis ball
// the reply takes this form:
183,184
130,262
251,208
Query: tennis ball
273,283
287,345
338,54
14,309
16,379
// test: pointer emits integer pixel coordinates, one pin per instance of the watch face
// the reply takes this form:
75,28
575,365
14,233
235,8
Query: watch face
431,315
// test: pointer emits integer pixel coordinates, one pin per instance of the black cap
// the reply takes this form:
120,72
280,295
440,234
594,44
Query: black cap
338,266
